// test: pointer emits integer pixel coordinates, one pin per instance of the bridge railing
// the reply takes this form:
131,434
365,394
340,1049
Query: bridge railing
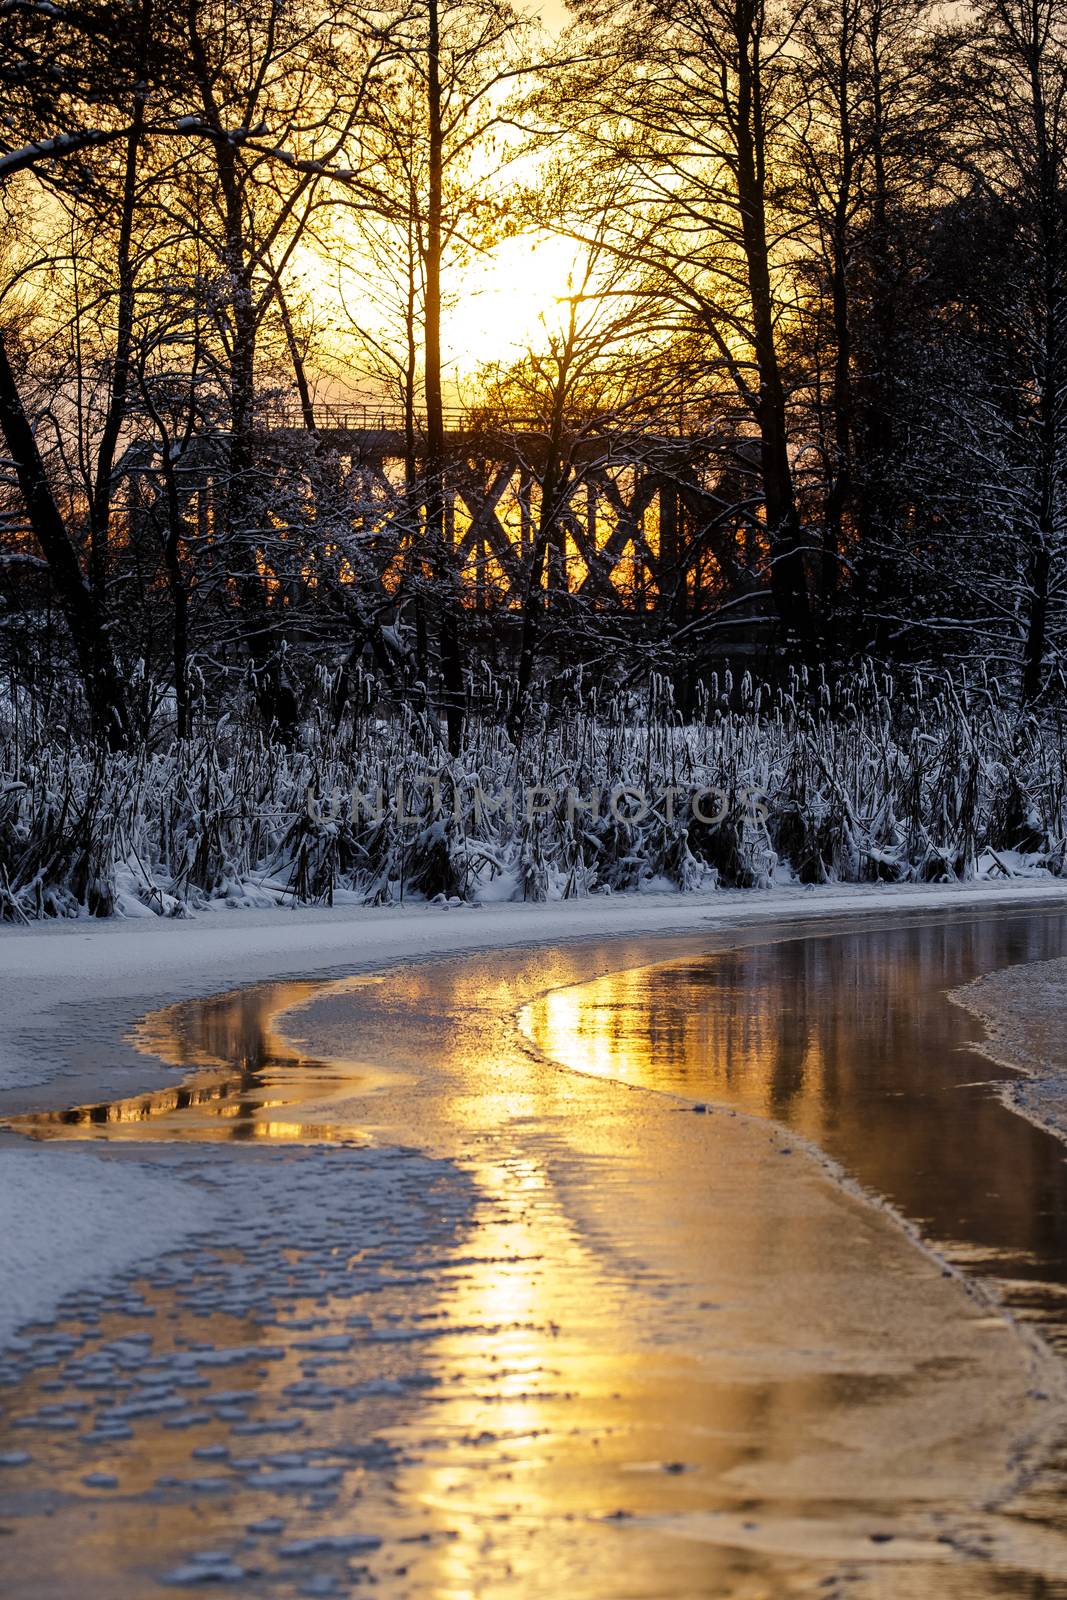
359,416
382,416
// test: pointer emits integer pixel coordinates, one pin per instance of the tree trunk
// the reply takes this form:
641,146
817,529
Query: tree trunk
1050,385
176,588
840,487
441,555
553,498
874,416
788,578
108,712
100,505
277,701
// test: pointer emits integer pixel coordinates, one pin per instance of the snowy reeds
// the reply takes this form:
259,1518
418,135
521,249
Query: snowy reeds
942,781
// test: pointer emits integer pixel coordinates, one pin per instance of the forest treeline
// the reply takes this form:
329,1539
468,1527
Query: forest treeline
811,358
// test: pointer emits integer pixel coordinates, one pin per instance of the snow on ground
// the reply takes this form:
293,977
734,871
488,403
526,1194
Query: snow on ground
57,1234
201,1377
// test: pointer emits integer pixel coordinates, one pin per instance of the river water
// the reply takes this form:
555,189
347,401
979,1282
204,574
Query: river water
658,1353
847,1040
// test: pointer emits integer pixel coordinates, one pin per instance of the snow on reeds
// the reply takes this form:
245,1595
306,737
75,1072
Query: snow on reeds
942,781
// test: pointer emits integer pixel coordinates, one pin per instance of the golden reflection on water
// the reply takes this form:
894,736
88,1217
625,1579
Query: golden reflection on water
848,1041
239,1071
691,1029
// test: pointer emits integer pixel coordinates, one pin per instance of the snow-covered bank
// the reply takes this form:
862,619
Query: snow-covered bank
68,989
58,1233
1024,1010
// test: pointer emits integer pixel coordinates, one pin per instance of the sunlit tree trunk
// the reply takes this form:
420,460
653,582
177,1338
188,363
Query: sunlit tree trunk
441,554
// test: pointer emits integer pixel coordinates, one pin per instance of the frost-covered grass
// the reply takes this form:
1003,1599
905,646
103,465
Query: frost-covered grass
941,783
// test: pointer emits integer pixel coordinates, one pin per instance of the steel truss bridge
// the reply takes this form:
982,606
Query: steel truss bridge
650,522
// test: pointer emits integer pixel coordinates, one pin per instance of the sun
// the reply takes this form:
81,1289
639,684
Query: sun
498,304
506,301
